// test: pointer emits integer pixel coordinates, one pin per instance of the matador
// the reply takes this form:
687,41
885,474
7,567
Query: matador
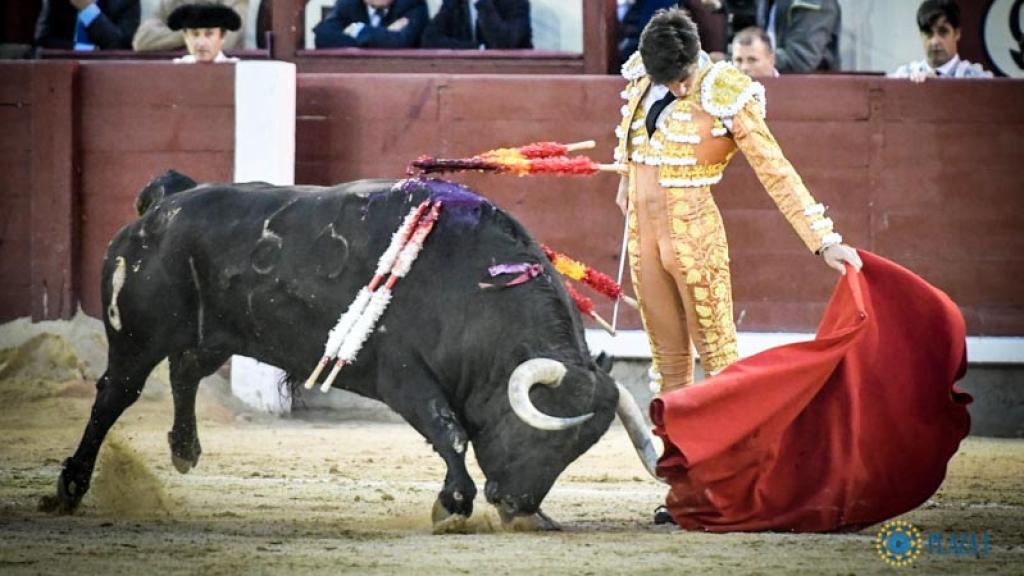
683,120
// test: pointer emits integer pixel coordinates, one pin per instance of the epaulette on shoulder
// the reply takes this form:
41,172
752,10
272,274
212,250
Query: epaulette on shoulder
725,90
634,67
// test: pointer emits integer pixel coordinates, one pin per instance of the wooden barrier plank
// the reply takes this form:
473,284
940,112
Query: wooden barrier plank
14,300
16,122
951,235
16,88
938,101
817,97
161,84
54,192
128,128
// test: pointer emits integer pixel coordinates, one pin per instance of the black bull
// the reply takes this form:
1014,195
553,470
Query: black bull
263,271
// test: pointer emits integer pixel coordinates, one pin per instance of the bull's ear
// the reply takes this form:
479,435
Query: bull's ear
604,362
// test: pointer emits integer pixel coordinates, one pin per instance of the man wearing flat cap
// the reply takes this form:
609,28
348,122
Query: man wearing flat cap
204,26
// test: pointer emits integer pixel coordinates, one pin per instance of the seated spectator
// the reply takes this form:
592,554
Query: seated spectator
752,53
939,23
372,24
204,26
154,34
87,24
805,34
471,24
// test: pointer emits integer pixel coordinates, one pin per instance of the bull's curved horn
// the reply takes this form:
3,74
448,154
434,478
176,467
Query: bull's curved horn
538,371
639,433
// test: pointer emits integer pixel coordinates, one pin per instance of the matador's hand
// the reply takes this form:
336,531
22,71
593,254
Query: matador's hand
622,196
837,255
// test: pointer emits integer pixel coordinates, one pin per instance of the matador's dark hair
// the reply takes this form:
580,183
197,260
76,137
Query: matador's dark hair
669,44
931,10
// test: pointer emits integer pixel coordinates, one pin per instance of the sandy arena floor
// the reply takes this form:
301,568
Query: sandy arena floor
298,497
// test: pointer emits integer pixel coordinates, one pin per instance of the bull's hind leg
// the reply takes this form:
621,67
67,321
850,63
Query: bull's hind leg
187,369
118,388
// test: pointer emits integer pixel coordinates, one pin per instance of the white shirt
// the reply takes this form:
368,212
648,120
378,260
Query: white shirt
474,14
955,68
219,59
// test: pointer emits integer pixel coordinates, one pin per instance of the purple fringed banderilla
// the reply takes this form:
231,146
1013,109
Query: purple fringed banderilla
526,271
462,206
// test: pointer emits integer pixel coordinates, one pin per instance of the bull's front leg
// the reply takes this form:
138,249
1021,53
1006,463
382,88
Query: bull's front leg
429,412
450,441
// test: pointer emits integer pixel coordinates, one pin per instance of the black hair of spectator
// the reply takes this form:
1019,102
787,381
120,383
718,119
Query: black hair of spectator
204,15
931,10
747,36
669,45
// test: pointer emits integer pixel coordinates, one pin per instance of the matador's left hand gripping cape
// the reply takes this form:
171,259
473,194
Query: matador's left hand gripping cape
698,135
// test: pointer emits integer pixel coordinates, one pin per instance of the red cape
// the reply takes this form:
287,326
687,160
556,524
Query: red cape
847,430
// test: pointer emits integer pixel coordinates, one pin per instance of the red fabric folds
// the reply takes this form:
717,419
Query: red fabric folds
839,433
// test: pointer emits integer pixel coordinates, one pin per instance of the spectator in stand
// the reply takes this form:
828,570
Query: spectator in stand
939,23
805,33
204,27
154,34
372,24
472,24
752,53
87,24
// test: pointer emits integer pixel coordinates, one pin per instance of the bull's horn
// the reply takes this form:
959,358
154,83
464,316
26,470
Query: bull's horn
538,371
639,433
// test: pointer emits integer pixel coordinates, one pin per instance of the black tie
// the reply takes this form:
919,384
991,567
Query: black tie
652,115
381,13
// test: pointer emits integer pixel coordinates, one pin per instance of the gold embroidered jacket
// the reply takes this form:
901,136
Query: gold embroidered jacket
698,135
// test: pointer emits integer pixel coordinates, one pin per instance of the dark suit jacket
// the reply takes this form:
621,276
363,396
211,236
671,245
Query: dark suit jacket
330,33
501,24
806,34
113,28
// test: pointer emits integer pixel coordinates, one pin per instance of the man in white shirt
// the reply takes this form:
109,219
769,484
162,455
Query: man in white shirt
939,23
204,26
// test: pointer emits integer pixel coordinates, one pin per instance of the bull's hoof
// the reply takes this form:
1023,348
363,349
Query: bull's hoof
182,465
68,497
446,522
538,522
184,454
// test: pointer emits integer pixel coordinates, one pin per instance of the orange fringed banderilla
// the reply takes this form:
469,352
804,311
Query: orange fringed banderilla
532,159
599,282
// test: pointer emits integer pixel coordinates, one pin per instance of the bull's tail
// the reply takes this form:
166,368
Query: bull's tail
163,185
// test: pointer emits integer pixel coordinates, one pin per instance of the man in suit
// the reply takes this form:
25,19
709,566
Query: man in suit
87,24
805,33
372,24
472,24
939,23
752,53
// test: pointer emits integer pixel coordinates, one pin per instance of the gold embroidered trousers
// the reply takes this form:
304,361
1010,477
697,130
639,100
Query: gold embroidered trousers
679,260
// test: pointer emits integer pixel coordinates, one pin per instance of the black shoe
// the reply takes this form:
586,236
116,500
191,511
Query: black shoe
661,516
